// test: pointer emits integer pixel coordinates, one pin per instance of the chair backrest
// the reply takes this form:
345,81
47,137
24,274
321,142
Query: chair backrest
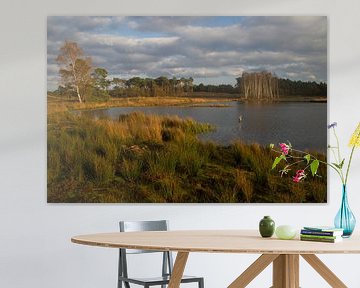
134,226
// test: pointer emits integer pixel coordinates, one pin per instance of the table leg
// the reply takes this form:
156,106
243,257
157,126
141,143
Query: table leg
178,270
324,271
286,271
253,270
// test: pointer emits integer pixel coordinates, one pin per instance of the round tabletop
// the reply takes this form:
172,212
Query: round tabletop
220,241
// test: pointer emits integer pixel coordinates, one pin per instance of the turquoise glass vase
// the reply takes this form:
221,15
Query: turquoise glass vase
345,219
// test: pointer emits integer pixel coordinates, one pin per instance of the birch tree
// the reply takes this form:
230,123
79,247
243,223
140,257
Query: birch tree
259,86
75,68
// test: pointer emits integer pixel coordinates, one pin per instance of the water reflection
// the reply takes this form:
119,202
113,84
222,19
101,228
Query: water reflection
303,124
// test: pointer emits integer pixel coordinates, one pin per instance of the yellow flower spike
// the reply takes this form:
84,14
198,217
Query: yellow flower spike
355,138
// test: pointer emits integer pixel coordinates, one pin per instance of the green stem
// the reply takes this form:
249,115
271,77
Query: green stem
336,169
348,167
294,163
339,161
333,152
339,171
299,151
338,145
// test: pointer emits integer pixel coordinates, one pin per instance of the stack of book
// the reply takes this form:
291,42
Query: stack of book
321,234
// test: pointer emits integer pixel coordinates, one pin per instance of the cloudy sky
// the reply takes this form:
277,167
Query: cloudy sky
212,50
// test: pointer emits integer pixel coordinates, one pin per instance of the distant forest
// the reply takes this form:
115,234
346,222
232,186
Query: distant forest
163,86
287,87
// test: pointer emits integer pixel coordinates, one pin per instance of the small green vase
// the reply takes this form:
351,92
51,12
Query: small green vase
266,227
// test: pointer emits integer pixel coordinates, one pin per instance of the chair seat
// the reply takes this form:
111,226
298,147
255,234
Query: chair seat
158,280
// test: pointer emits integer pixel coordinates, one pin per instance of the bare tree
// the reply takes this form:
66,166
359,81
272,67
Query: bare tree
75,68
259,86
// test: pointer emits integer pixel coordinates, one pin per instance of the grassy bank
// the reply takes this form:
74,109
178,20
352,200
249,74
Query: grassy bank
150,158
59,104
56,104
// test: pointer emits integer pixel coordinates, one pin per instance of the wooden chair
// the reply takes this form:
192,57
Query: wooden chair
167,262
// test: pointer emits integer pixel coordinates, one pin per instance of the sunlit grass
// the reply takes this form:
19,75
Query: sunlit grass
61,105
152,158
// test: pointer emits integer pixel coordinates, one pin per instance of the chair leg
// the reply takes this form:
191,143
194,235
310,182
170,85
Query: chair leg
201,283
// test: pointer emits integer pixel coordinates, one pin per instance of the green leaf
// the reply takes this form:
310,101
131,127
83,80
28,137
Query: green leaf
342,163
339,166
277,161
307,157
314,167
272,145
336,165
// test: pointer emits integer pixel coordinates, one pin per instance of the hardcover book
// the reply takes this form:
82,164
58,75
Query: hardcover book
321,233
328,240
323,228
319,237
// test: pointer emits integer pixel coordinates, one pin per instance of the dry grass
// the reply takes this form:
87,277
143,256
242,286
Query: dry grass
151,158
56,105
244,184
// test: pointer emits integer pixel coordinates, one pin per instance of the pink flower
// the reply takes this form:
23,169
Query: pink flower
300,172
284,148
300,175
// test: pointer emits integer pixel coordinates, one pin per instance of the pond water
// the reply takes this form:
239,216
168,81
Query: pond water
301,123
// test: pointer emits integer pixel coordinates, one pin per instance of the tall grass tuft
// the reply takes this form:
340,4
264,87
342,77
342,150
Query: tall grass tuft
244,184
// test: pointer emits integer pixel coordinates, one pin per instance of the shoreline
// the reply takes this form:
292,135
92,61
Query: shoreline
54,104
61,106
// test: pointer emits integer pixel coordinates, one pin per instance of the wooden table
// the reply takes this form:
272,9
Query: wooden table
284,254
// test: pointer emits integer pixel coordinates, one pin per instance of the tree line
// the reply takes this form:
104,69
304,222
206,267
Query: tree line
280,86
160,86
80,80
294,88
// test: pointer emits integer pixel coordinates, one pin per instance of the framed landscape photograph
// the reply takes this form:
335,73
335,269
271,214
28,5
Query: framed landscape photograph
170,109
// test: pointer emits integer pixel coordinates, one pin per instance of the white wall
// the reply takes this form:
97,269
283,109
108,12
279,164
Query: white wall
35,248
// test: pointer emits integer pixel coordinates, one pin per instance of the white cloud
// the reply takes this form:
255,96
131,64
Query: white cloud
293,47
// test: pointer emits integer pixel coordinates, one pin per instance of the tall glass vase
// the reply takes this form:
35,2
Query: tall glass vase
345,219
